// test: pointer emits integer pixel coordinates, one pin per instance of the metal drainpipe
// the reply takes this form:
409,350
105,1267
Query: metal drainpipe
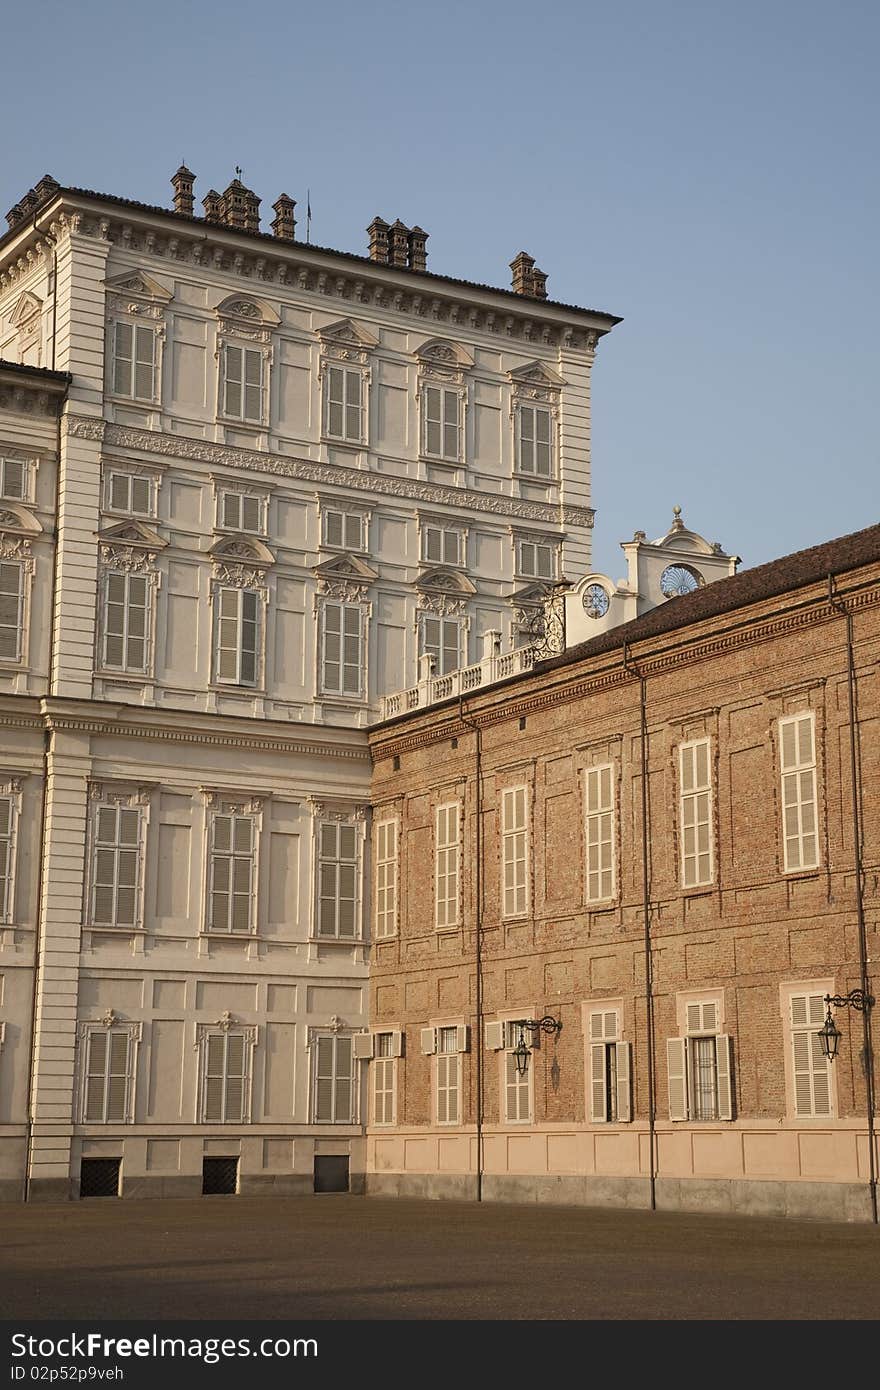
855,788
646,909
478,931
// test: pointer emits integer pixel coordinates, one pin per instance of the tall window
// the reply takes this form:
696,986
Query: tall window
343,530
442,545
384,1080
127,603
535,441
338,881
116,865
342,649
231,873
441,423
7,856
514,848
442,639
517,1088
107,1075
446,855
448,1074
130,493
240,511
238,636
11,610
699,1068
243,384
134,361
333,1080
695,793
344,401
600,833
226,1076
797,751
536,559
610,1068
13,479
811,1070
385,839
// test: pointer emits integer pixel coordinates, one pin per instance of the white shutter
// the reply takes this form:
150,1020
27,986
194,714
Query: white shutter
799,812
724,1061
120,492
598,1098
495,1036
214,1077
398,1043
429,1041
117,1075
363,1046
253,385
433,436
344,1098
676,1058
333,532
144,366
232,384
514,837
624,1081
122,359
96,1068
13,479
462,1038
336,405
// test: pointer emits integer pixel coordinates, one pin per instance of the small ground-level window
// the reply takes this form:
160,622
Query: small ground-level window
99,1177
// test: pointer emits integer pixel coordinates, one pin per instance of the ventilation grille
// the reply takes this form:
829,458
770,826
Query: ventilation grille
331,1173
219,1177
99,1177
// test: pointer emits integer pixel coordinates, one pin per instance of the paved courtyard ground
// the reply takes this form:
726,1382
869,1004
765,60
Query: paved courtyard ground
345,1257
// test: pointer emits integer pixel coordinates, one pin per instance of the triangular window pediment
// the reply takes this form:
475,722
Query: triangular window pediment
132,533
442,352
532,593
27,306
246,309
140,285
245,550
536,374
348,332
347,567
439,579
19,521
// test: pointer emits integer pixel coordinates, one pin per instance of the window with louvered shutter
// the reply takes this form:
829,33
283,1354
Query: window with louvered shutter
134,361
535,441
13,479
116,866
514,848
704,1090
344,409
517,1092
604,1088
536,560
695,809
232,873
7,867
123,359
811,1069
600,833
441,428
127,604
447,1076
238,636
338,881
243,383
384,1081
797,750
241,512
11,610
442,545
342,655
225,1077
333,1080
676,1064
441,638
446,861
385,835
107,1076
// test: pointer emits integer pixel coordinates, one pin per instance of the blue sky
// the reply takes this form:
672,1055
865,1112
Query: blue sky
706,170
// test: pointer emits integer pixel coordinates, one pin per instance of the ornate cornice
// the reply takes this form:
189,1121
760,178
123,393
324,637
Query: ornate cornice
434,494
164,733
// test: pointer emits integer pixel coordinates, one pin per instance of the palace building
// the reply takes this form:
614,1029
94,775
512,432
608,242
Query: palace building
248,486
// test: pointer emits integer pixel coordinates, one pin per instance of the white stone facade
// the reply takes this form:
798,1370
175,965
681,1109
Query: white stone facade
275,478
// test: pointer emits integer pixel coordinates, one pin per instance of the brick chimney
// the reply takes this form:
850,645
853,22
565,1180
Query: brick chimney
284,225
418,256
378,231
213,205
182,183
539,284
398,236
527,280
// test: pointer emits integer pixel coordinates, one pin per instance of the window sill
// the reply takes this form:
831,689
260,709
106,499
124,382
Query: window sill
221,688
356,445
256,425
216,935
338,940
441,462
602,905
136,929
449,927
129,677
699,890
540,479
790,874
142,401
344,701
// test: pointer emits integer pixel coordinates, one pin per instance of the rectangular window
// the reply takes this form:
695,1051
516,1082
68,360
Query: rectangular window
334,1094
514,844
116,857
600,833
243,372
238,636
11,610
448,1076
442,639
231,879
7,856
386,878
536,559
344,530
384,1080
342,649
812,1071
535,441
126,621
344,410
797,752
13,479
700,1067
695,810
517,1089
610,1068
338,881
130,493
225,1080
442,545
442,423
446,865
134,361
240,511
107,1076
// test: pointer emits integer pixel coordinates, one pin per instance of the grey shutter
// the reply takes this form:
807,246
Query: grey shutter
227,634
433,545
543,459
336,405
333,524
117,1075
136,637
353,427
526,439
13,479
354,527
96,1070
253,385
450,658
324,1081
451,424
724,1063
235,1078
332,657
250,514
140,496
10,610
676,1059
352,661
250,626
598,1097
433,421
624,1081
144,366
231,510
344,1110
122,359
120,492
114,621
232,396
214,1077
